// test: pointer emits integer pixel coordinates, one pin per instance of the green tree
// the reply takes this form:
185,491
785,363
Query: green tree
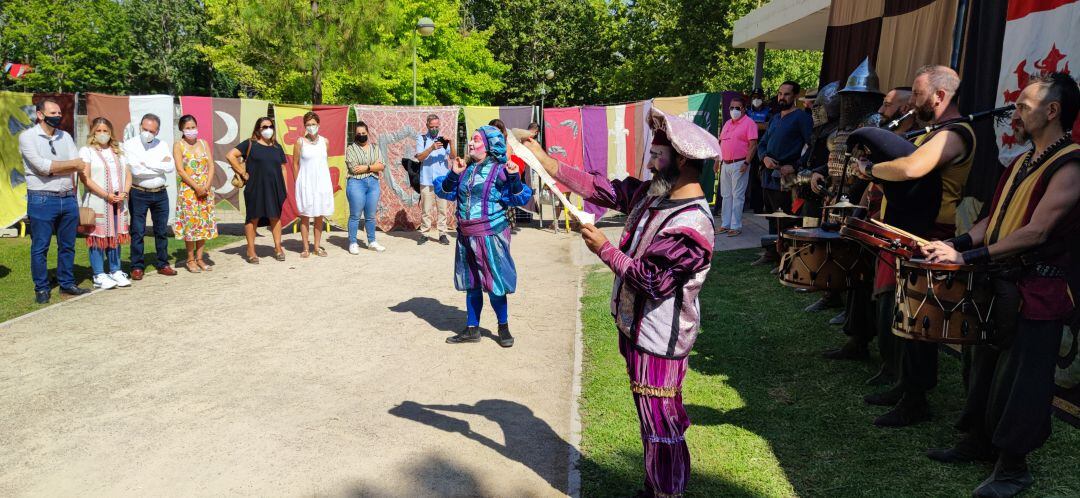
165,55
276,48
72,45
569,37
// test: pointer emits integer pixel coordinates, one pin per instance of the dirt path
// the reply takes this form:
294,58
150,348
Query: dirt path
320,376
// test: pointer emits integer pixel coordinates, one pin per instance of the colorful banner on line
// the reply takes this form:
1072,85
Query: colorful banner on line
224,123
511,116
125,114
289,124
1040,38
395,130
704,110
17,113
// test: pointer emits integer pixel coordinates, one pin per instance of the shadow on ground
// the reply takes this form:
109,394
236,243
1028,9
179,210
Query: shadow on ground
522,430
438,315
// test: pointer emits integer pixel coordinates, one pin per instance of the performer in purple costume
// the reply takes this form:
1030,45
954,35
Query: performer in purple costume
660,264
483,190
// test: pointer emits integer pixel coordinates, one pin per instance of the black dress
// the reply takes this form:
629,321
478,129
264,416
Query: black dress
265,192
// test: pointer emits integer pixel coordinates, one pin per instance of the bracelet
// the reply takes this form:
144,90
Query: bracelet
962,242
977,256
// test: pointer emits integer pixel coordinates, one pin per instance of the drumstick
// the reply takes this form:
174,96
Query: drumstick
534,163
918,240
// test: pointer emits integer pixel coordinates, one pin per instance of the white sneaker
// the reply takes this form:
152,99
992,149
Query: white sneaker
375,246
354,248
103,281
120,278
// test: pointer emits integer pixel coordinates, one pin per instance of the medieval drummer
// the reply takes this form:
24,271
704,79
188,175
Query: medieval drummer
1034,216
858,102
660,263
922,192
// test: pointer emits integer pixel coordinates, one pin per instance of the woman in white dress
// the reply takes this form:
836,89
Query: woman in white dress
314,193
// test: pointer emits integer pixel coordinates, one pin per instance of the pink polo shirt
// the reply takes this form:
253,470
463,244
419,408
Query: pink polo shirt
735,138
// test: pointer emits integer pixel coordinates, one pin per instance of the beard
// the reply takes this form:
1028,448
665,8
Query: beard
784,105
662,181
925,113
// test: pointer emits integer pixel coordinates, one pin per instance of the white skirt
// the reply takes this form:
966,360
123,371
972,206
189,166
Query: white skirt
314,193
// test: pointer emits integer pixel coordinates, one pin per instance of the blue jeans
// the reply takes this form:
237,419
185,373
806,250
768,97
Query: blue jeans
98,256
51,215
158,205
363,195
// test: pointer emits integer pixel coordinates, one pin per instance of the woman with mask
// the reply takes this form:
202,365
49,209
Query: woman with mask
484,189
195,221
314,193
108,181
362,159
264,170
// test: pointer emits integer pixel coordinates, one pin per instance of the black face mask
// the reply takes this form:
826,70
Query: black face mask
361,139
53,121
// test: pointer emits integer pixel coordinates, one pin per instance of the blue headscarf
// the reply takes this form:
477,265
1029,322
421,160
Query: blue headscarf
494,142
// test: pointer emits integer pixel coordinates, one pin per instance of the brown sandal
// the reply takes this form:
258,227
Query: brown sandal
192,266
252,260
302,255
280,256
320,252
205,267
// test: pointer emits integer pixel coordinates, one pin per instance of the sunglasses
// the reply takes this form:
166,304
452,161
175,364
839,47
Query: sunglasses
266,128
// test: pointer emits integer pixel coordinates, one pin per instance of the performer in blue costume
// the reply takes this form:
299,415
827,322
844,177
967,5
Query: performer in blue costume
483,189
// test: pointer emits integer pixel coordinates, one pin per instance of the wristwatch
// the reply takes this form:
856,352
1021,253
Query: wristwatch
870,171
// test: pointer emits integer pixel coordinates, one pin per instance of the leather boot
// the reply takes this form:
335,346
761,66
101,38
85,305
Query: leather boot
912,409
851,350
470,334
969,449
505,339
885,398
1011,476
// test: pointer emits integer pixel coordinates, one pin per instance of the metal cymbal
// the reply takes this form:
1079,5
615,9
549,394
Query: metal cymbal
844,204
777,214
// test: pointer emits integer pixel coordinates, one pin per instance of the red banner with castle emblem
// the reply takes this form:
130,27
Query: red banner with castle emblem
289,125
1040,38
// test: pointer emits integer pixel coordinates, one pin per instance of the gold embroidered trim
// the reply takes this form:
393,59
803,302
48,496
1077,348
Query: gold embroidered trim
653,391
658,494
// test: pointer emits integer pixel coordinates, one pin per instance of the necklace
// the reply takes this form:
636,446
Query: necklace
1032,163
469,186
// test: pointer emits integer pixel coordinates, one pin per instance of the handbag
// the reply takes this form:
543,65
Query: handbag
237,180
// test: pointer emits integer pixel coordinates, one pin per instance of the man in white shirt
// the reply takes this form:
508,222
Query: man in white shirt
151,160
51,163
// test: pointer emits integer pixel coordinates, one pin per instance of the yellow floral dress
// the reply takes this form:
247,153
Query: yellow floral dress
195,218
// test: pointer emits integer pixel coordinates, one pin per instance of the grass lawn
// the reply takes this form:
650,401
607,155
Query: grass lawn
770,417
17,288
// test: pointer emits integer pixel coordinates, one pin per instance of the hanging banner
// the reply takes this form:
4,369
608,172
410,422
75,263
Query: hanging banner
704,110
224,123
594,126
1040,38
125,114
395,129
17,113
562,136
289,125
511,116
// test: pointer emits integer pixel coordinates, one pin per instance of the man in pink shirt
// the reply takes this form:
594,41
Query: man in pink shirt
738,142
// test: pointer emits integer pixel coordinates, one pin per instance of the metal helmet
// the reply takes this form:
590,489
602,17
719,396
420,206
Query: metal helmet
863,80
827,104
855,106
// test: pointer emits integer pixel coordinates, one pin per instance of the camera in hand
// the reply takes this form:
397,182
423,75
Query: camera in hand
445,141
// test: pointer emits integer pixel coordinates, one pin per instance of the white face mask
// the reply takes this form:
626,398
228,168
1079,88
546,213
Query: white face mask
192,133
102,138
313,130
267,133
736,114
756,102
146,136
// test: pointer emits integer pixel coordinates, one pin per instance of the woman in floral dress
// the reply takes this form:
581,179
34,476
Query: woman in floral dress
195,221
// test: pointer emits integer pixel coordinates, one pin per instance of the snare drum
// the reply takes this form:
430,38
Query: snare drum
943,303
880,236
820,260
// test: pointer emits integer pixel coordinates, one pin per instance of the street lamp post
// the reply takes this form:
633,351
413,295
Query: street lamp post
425,26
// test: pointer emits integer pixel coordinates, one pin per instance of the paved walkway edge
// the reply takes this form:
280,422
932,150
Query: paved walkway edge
573,474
